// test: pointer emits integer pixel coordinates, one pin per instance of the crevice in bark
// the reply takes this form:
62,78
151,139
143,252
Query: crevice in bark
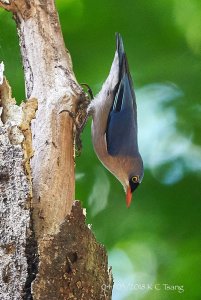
31,249
31,252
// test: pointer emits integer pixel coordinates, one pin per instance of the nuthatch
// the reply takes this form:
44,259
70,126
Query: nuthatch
114,125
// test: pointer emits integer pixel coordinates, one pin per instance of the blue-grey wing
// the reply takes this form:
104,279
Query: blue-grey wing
121,131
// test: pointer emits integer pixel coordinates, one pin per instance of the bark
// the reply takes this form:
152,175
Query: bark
55,253
14,199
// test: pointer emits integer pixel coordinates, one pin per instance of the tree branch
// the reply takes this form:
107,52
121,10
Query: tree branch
49,78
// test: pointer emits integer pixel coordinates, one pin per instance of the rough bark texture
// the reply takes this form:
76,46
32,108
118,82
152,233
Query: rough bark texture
79,263
60,254
14,200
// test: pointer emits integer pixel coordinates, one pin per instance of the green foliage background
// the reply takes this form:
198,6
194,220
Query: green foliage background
156,241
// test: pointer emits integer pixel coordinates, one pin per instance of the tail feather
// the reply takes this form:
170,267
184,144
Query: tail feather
124,85
120,48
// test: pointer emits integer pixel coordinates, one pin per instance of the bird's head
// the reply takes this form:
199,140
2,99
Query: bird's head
130,172
132,183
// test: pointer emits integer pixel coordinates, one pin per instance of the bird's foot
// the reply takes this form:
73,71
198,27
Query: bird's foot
89,90
79,118
82,116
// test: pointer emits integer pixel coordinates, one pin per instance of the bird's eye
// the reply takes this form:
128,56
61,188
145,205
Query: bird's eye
135,179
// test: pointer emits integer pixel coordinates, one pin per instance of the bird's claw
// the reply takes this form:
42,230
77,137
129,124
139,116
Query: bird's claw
89,90
79,118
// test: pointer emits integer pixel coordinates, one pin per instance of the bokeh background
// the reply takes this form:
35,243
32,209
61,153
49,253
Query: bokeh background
154,246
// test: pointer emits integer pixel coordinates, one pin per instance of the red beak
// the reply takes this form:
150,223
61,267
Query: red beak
128,196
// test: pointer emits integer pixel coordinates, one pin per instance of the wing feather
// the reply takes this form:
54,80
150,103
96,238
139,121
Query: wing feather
121,131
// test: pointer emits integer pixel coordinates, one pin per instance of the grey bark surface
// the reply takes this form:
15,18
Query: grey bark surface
14,204
59,258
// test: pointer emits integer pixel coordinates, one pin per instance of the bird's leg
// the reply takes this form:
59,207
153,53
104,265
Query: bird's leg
80,122
79,118
82,116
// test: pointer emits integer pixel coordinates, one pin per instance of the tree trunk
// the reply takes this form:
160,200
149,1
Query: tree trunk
47,250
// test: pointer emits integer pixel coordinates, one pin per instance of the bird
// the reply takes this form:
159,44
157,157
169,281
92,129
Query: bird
114,124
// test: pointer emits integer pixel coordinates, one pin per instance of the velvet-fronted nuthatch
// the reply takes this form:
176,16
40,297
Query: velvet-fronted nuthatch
114,125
